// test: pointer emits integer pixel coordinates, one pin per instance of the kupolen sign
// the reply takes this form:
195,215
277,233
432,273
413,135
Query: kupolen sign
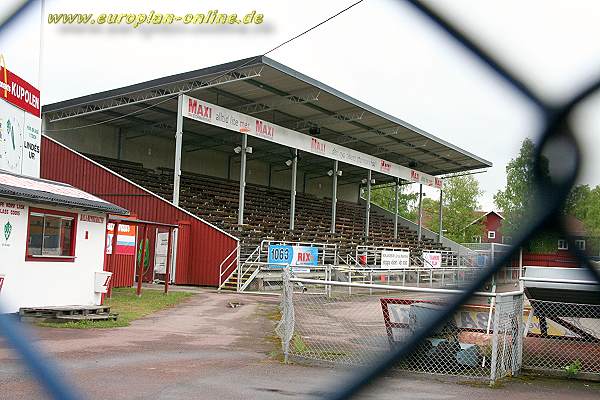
20,124
208,113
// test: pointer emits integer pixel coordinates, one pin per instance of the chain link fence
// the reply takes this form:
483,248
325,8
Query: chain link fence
563,338
322,322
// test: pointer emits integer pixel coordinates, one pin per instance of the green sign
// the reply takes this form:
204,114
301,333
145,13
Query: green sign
7,230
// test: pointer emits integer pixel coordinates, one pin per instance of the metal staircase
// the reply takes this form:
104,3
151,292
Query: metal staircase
239,278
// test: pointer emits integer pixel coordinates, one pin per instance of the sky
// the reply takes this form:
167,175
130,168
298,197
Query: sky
381,52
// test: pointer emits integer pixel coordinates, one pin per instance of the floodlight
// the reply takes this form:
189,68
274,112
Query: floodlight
249,150
237,150
340,173
288,162
330,172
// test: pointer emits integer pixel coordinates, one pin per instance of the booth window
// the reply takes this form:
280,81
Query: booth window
51,235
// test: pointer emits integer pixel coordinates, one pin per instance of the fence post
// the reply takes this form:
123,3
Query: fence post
494,361
285,327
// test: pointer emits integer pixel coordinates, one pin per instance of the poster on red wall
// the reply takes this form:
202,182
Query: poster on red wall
125,239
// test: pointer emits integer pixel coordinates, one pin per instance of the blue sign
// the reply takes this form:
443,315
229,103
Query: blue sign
280,254
293,255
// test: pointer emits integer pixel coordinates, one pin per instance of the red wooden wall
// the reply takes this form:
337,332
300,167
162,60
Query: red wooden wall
201,246
558,259
122,266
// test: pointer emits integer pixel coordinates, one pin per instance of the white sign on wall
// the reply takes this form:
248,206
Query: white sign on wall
160,252
209,113
395,259
432,259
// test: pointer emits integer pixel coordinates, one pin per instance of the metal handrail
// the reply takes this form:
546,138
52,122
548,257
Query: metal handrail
223,272
248,261
402,288
558,280
256,271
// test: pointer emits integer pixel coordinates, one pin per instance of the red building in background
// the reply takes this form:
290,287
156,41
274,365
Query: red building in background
492,232
560,257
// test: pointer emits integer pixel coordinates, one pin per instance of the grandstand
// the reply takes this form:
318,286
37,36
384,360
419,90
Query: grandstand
267,211
240,184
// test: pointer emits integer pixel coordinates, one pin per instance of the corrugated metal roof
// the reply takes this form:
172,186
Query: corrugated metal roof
55,193
276,94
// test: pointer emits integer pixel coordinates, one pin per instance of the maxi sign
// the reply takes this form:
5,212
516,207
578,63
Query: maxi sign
296,256
20,124
235,121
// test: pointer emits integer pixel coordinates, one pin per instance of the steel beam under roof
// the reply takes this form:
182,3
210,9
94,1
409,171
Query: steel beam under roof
280,95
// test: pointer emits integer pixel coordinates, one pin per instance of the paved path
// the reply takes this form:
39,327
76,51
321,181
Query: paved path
203,349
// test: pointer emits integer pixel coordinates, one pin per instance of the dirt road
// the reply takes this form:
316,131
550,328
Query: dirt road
204,349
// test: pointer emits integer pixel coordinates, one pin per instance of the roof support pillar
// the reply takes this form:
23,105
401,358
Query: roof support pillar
293,190
440,217
368,205
244,148
334,194
396,194
419,232
178,142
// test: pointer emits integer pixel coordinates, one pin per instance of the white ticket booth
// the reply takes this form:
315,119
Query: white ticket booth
52,244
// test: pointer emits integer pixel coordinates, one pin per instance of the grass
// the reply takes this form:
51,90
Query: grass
129,307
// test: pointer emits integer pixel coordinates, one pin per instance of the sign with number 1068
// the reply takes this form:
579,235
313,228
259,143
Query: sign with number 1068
293,255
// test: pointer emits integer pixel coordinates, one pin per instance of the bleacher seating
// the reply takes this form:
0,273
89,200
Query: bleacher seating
266,214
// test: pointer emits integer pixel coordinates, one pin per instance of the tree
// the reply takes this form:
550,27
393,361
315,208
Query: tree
384,197
461,195
460,200
583,203
516,200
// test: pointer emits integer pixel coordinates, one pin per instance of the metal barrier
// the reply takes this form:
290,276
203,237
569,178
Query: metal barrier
322,322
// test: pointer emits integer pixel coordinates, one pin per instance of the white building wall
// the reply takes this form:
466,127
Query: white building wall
40,283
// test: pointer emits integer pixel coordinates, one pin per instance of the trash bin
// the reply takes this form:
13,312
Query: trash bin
102,281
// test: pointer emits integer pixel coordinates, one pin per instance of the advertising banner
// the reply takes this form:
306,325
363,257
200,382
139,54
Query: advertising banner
125,239
20,125
209,113
161,248
300,257
432,259
395,259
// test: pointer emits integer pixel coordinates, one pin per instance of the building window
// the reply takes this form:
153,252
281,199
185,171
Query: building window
476,239
51,235
492,235
580,244
563,245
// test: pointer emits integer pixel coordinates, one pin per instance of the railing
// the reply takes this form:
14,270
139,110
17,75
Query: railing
416,275
256,267
246,266
225,273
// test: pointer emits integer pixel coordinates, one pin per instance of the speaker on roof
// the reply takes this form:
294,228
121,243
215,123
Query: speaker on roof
314,130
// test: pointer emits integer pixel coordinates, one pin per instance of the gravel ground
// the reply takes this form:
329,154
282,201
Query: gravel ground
203,349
